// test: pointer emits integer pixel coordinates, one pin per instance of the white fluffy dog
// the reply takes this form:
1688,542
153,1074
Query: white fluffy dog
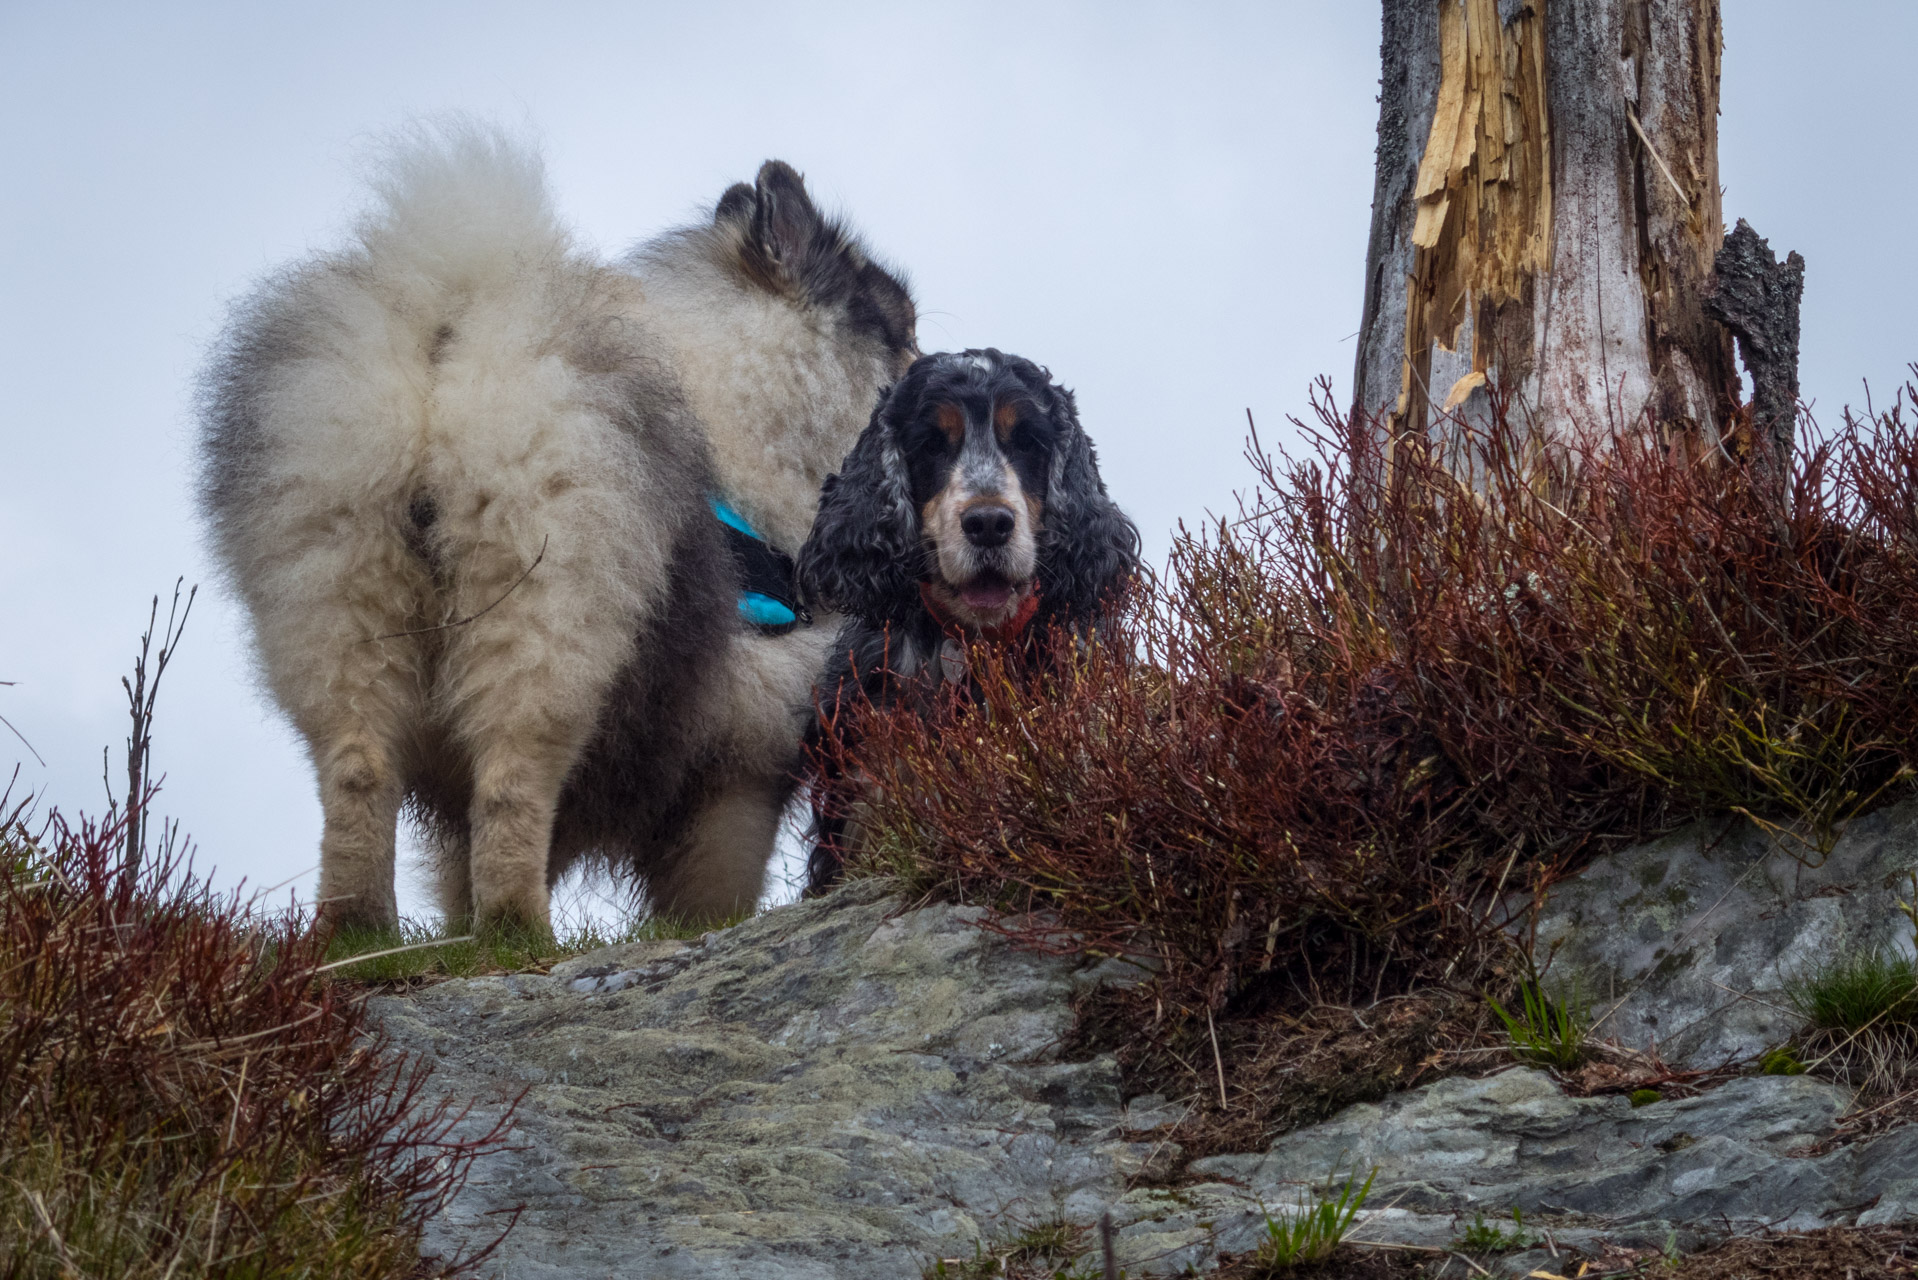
460,473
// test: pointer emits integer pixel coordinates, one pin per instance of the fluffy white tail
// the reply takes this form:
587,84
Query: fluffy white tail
462,205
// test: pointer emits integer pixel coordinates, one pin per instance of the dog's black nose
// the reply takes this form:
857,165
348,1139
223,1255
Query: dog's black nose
987,525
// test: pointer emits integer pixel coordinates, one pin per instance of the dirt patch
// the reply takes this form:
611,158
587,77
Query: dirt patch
1838,1253
1282,1071
1862,1126
1348,1262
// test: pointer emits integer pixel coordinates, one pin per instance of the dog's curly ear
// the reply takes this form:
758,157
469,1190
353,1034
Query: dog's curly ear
863,556
1088,548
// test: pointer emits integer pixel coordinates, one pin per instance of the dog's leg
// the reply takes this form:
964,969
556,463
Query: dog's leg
523,739
453,878
522,688
516,788
716,869
360,792
719,870
354,697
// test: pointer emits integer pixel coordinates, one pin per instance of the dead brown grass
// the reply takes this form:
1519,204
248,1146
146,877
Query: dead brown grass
1287,1069
1838,1253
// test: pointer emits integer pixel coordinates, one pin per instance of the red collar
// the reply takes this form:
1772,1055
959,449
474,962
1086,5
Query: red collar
1007,630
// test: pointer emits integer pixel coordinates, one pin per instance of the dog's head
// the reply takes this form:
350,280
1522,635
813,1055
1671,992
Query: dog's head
772,234
783,329
975,480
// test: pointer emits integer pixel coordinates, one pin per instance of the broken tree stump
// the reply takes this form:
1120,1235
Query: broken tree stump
1756,296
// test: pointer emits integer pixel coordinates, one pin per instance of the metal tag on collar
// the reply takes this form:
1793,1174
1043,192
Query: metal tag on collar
952,660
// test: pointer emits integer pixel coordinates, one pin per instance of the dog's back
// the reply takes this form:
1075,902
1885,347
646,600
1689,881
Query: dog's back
453,474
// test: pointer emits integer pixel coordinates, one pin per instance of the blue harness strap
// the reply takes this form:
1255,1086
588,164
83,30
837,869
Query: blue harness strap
765,612
730,518
768,595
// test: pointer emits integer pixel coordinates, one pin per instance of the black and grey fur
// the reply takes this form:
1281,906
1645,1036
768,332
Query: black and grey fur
458,472
972,489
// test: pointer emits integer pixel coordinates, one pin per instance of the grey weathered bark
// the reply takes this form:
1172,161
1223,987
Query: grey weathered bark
1545,217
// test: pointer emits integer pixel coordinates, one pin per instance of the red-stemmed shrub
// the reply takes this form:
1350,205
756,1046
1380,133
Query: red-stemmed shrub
1319,757
182,1093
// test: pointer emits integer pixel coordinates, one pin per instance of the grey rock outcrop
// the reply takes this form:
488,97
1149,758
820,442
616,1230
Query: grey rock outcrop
1736,1159
846,1088
831,1091
1689,941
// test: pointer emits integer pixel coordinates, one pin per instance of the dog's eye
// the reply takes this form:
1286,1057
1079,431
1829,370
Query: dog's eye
927,438
1025,439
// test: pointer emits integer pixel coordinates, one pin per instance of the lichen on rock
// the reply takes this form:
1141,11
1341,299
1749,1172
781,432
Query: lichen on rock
1688,943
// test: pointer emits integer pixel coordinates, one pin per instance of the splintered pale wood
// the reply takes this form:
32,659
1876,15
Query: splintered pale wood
1484,191
1547,208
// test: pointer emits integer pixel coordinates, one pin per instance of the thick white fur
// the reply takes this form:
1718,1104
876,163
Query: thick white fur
760,710
513,426
772,383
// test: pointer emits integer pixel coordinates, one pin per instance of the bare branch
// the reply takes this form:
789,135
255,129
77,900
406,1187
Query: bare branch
8,684
448,626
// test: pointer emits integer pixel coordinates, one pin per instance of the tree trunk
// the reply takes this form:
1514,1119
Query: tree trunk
1545,218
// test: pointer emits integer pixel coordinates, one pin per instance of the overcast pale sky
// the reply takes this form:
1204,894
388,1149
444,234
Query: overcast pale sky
1167,204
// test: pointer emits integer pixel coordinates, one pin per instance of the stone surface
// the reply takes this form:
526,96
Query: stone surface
832,1090
1688,942
1733,1159
844,1088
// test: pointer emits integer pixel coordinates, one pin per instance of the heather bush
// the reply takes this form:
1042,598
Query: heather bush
183,1094
1316,760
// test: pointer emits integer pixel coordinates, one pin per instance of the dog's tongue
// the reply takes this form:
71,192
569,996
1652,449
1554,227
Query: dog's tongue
986,595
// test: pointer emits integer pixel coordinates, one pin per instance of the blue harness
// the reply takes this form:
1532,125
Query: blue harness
768,593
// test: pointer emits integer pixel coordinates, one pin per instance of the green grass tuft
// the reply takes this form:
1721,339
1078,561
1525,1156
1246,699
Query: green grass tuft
1547,1032
1310,1234
1861,1022
1047,1241
1857,989
427,949
1488,1237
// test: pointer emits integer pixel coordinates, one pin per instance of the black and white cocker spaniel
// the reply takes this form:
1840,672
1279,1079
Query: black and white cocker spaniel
971,507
